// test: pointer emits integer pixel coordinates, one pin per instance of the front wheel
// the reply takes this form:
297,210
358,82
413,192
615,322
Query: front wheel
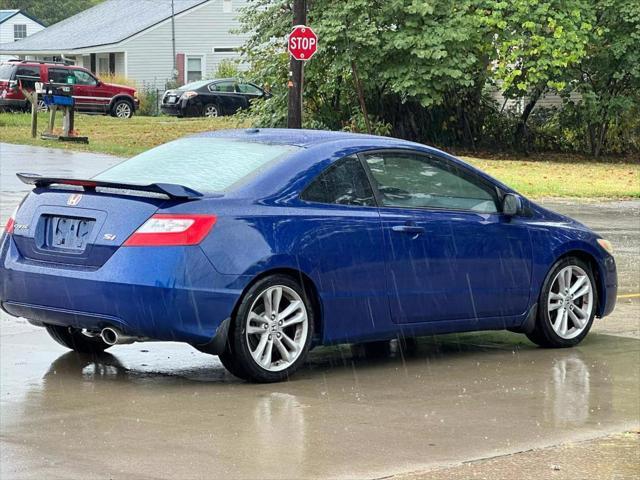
567,305
122,109
74,339
271,332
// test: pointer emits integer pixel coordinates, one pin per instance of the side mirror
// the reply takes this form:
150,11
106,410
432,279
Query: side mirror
511,204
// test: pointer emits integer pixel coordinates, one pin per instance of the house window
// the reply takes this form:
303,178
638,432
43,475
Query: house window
225,49
19,32
194,69
227,6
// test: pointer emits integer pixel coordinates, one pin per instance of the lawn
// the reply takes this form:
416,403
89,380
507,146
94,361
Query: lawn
542,176
112,135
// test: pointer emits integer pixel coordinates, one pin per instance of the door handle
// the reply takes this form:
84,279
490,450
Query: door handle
413,229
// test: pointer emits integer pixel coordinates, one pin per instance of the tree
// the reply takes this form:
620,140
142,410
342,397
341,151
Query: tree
389,52
49,12
608,76
537,43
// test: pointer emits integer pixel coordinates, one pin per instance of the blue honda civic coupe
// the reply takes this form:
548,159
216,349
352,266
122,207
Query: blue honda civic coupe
257,245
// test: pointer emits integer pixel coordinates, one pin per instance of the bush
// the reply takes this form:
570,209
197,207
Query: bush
117,78
149,101
227,69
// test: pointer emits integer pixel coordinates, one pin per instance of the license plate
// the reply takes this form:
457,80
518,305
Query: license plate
171,100
68,233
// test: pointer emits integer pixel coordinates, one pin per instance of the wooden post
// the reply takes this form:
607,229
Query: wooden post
52,118
66,121
296,72
34,114
32,97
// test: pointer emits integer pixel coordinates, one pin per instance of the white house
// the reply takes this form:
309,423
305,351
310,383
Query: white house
16,25
141,39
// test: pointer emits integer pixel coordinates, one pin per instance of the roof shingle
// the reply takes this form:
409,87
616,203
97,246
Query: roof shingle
108,22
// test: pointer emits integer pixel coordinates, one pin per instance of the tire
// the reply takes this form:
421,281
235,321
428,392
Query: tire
74,339
211,110
294,338
122,109
553,331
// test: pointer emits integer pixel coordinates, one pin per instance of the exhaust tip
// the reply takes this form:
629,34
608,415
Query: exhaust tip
109,336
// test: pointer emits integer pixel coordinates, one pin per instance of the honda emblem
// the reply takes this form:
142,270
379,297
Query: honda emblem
74,199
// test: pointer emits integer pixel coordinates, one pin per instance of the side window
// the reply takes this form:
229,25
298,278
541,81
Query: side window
58,75
343,183
407,180
249,89
228,87
28,71
84,78
28,75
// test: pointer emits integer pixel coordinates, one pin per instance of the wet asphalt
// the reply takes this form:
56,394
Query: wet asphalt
164,410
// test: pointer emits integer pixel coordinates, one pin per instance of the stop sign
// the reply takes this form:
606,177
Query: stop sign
303,42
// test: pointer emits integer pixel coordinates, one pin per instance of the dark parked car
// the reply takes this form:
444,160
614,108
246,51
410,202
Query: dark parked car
210,98
91,94
258,245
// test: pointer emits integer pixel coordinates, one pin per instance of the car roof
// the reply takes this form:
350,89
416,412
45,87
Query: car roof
300,137
318,149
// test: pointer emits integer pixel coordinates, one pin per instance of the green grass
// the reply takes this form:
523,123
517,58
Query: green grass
564,178
111,135
546,175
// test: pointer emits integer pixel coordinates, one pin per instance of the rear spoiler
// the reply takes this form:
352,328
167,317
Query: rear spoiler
170,189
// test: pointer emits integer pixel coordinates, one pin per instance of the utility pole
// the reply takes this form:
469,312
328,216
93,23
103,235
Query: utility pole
296,72
173,41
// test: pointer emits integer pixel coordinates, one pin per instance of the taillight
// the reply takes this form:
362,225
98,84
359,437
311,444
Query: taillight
8,228
166,230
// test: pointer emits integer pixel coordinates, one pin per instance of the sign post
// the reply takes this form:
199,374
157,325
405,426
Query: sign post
302,45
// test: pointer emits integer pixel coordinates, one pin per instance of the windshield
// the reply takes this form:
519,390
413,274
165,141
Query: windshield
203,164
195,85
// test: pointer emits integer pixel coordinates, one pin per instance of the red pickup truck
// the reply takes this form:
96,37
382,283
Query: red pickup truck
90,93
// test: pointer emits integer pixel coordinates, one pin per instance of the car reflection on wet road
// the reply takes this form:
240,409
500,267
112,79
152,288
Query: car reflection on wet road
164,410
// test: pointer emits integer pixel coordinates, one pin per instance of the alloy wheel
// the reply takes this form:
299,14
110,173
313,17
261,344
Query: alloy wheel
211,111
276,328
42,106
571,301
123,110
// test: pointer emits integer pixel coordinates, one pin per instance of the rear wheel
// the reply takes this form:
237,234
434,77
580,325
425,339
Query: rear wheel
271,332
567,305
74,339
211,110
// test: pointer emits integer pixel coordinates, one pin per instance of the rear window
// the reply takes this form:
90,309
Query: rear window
203,164
6,71
195,85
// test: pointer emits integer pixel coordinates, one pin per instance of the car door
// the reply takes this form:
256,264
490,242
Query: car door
87,92
450,253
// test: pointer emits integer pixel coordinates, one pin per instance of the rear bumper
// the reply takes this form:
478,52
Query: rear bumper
173,109
163,293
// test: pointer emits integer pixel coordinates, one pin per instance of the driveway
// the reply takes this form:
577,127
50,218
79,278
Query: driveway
164,410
